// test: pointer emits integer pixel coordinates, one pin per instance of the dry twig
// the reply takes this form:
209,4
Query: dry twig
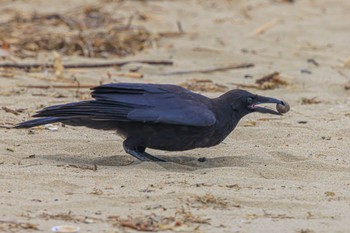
86,65
263,28
57,86
207,71
15,112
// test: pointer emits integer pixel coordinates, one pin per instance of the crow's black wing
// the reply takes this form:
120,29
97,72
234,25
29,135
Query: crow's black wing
156,103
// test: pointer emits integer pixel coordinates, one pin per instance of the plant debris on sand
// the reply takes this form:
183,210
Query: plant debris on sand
203,85
90,32
313,100
181,221
271,81
12,226
267,82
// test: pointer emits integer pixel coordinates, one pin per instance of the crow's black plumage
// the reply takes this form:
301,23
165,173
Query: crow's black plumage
158,116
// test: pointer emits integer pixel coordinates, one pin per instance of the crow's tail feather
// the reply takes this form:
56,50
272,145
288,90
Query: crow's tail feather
93,114
39,121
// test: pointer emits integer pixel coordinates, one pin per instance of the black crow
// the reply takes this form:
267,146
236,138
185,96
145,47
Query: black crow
157,116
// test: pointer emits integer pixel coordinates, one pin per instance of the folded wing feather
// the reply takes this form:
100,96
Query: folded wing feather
154,103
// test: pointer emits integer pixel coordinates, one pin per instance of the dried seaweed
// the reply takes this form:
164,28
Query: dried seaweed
181,221
91,32
313,100
69,217
12,226
271,81
210,200
63,216
267,82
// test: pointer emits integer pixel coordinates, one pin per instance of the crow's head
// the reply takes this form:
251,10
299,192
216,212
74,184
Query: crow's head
243,102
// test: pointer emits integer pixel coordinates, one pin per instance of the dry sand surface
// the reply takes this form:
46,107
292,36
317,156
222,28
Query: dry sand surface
272,174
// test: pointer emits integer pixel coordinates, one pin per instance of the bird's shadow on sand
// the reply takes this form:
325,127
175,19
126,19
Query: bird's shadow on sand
175,163
182,163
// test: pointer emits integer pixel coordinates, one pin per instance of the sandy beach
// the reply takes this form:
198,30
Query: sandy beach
287,173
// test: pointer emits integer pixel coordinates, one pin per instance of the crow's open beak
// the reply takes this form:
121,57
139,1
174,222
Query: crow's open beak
265,100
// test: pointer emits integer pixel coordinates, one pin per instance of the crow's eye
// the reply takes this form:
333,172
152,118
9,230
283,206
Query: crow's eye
249,100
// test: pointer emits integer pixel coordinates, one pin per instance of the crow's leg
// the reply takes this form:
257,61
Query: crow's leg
139,152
